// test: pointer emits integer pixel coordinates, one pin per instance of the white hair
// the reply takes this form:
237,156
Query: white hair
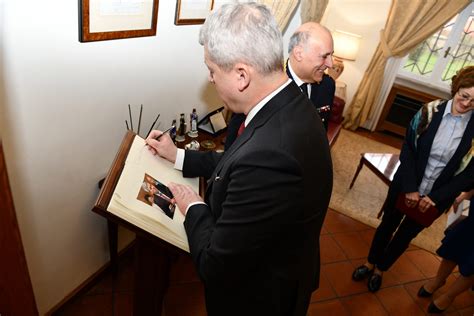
244,32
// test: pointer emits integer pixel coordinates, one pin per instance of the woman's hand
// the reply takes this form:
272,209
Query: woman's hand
412,198
425,204
461,197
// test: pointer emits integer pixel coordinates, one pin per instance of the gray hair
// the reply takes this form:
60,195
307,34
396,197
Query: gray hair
298,38
243,32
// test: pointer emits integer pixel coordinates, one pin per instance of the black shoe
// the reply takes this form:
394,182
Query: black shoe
361,273
374,283
433,309
424,293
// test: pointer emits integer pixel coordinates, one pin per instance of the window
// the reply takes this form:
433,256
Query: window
438,58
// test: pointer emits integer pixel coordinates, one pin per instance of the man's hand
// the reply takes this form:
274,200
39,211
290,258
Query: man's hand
163,147
184,195
425,204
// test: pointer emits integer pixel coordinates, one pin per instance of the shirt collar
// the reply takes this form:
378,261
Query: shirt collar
463,117
262,103
296,79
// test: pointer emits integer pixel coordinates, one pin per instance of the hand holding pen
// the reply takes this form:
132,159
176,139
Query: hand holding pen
162,146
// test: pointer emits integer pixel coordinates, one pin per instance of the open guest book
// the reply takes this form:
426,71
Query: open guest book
136,191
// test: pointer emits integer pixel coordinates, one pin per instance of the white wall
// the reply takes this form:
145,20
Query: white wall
63,119
362,17
62,114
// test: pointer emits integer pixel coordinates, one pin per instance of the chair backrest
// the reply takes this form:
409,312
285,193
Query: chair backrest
337,110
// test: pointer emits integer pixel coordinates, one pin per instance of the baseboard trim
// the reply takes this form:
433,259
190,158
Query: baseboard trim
89,282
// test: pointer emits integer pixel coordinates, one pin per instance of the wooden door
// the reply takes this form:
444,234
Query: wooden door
16,292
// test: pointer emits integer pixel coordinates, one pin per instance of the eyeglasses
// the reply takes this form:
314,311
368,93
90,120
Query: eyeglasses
465,97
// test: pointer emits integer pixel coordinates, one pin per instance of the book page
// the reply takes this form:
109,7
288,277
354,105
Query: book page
142,198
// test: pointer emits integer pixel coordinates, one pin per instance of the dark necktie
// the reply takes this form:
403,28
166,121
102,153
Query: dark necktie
304,88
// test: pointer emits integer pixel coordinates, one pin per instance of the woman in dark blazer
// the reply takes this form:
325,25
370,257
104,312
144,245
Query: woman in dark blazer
457,249
435,164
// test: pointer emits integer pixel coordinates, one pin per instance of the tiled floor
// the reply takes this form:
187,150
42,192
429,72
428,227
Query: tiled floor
344,245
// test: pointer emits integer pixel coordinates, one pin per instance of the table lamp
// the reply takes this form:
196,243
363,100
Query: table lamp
346,46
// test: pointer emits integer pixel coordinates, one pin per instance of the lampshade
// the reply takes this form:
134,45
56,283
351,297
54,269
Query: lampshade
346,45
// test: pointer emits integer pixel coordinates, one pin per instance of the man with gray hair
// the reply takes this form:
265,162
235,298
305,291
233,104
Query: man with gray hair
310,54
254,239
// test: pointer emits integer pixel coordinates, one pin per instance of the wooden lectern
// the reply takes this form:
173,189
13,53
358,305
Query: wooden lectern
153,256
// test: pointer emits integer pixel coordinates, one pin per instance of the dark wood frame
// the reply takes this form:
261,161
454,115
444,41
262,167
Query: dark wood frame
405,91
180,21
16,296
86,36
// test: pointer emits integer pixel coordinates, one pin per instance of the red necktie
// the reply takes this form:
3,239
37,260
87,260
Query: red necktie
241,128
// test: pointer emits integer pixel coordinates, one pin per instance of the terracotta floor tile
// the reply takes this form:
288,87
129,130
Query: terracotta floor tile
103,287
425,261
397,301
92,305
367,236
123,304
405,270
325,290
330,250
332,307
185,300
464,300
352,244
336,223
324,231
363,305
467,311
339,275
183,271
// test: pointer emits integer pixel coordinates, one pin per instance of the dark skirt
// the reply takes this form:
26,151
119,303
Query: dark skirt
458,245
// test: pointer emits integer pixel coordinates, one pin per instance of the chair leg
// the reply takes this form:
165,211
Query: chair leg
361,163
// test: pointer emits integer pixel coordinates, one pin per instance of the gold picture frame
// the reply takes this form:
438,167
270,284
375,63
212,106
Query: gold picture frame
101,20
189,12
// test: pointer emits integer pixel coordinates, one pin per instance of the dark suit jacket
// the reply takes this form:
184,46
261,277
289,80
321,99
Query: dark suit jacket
322,94
256,243
413,163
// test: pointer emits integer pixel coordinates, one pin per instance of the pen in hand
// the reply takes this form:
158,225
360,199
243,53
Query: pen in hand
169,129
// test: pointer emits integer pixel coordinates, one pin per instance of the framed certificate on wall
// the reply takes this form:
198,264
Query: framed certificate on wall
116,19
192,11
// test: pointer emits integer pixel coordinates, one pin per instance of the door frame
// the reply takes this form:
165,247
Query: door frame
16,291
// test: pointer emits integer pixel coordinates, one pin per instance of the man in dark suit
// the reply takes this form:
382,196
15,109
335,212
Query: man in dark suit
310,54
255,238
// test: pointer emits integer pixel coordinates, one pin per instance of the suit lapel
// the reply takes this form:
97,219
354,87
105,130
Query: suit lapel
285,97
430,135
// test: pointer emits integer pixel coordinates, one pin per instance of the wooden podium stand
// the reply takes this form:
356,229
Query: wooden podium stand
153,256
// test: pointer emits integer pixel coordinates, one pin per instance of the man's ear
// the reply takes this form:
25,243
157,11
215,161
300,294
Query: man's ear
298,51
243,72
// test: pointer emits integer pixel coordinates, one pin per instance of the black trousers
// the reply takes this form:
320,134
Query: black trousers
388,245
